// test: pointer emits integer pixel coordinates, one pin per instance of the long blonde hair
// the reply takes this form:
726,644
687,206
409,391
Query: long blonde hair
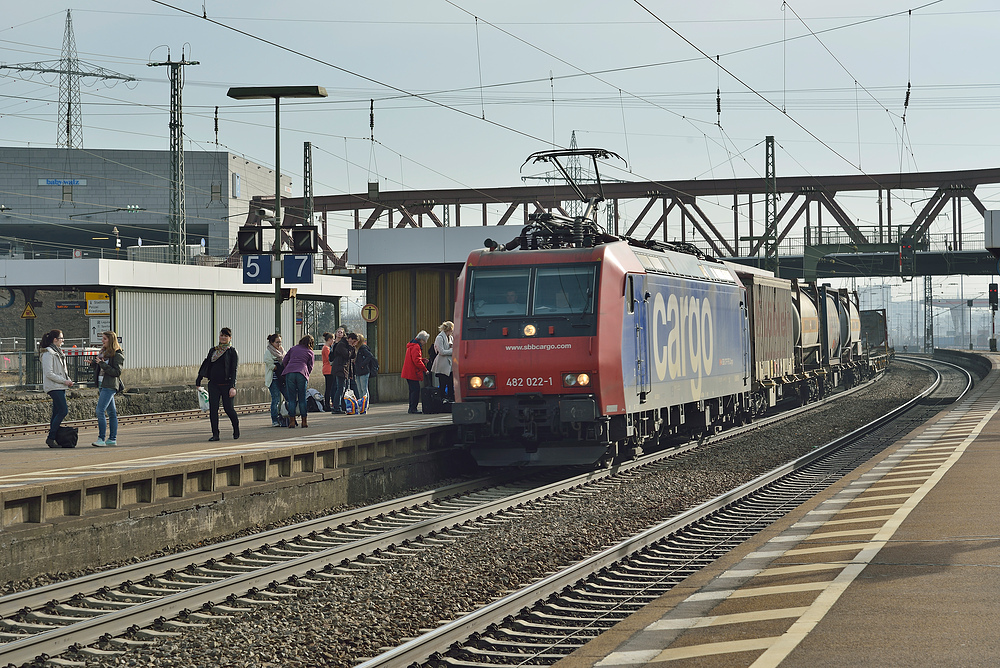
112,344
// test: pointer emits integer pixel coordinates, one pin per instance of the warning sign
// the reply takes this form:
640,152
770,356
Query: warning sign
28,313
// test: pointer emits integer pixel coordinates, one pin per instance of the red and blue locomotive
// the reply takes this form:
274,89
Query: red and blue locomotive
575,347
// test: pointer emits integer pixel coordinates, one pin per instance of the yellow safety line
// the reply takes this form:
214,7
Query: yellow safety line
783,646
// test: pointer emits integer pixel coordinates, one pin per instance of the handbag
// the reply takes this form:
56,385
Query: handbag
67,437
352,406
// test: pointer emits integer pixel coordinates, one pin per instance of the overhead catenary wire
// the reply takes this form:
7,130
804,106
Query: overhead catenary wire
620,101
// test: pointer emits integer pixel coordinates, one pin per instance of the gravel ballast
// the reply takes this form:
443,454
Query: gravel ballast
356,616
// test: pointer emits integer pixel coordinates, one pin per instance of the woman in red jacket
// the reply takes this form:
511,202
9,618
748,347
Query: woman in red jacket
414,367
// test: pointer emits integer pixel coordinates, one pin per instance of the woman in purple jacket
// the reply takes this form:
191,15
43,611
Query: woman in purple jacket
298,363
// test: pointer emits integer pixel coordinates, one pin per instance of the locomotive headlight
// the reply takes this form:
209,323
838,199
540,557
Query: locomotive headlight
529,330
482,382
576,379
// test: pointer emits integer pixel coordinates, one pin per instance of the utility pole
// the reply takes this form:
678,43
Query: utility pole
928,314
178,218
770,208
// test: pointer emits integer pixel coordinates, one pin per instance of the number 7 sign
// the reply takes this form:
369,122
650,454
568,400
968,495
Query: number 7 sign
298,268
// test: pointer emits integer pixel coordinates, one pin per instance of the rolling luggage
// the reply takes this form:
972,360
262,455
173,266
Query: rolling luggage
67,437
432,400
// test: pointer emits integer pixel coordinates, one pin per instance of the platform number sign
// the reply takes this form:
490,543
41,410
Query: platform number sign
298,268
256,269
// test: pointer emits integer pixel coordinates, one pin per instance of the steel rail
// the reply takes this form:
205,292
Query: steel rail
89,630
142,418
60,638
88,584
441,639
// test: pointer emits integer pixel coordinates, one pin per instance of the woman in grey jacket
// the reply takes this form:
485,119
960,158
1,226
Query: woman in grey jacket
55,380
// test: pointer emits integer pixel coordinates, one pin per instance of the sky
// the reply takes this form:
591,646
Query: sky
464,91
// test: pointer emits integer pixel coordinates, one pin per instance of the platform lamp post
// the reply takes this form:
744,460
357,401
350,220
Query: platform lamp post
276,93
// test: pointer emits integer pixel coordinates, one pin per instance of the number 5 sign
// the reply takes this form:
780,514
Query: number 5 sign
256,269
298,268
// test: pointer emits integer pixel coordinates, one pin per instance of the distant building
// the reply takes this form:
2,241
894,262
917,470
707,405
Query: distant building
127,190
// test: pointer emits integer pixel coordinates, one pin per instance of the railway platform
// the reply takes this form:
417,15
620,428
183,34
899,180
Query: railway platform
164,484
896,565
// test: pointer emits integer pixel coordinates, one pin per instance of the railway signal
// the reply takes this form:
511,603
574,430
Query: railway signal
907,258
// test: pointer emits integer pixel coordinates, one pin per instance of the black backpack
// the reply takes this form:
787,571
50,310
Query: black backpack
431,354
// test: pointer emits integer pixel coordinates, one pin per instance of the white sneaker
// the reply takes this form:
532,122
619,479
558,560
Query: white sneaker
99,443
110,442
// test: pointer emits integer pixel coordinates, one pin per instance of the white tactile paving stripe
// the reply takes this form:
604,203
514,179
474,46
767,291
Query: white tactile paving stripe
931,459
54,475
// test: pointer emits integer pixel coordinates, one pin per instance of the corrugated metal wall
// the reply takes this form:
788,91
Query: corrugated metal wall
176,329
410,300
161,329
251,317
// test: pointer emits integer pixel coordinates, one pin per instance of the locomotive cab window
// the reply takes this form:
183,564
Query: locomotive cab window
499,292
564,290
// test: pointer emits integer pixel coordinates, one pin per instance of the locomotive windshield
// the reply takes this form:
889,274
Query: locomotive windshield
563,290
543,291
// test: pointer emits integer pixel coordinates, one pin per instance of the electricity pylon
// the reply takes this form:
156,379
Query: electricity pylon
69,132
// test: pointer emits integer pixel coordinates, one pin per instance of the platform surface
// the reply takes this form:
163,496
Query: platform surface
896,565
26,460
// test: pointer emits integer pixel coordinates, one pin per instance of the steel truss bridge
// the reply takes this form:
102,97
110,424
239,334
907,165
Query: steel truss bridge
828,243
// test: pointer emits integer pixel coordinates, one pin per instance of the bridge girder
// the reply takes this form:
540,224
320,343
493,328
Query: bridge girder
414,208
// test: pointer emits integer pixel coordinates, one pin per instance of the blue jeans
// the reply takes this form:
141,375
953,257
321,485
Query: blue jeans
362,386
276,399
60,409
106,403
295,385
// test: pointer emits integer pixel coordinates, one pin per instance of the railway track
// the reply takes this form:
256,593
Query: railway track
192,589
145,418
549,619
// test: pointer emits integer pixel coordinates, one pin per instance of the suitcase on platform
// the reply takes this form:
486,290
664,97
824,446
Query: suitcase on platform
432,400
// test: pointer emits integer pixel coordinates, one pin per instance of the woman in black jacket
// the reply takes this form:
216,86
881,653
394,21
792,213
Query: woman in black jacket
341,356
219,368
364,366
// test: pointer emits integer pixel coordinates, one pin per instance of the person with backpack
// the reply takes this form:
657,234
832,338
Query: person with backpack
108,370
365,364
55,380
441,359
330,340
341,356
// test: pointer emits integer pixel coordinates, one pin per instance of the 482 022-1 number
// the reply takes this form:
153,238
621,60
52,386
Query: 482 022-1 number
529,382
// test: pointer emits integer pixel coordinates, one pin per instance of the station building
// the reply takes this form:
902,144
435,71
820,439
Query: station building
54,201
167,315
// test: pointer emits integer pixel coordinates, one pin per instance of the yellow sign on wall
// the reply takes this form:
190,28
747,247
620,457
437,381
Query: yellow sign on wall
98,303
